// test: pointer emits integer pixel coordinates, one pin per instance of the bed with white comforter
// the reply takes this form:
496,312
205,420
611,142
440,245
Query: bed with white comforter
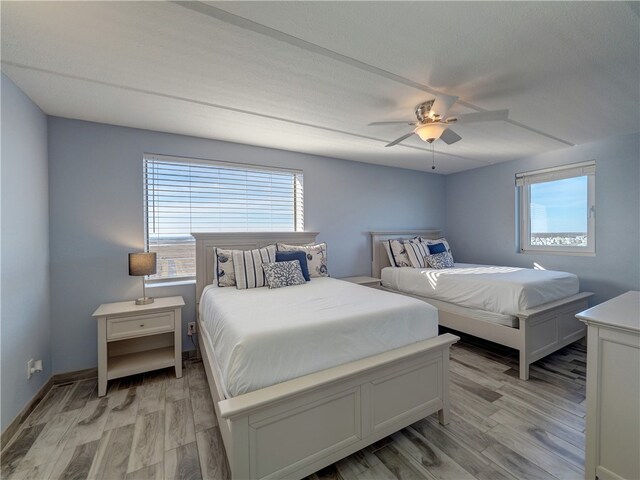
503,290
261,337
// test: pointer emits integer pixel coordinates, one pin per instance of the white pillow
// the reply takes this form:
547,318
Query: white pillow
316,257
417,253
247,266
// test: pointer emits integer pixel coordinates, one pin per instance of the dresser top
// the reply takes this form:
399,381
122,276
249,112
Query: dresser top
131,307
619,312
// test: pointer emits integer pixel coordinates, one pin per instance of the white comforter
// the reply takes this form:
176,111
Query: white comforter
261,337
506,290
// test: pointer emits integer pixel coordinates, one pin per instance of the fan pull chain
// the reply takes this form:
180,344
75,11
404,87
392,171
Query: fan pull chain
433,157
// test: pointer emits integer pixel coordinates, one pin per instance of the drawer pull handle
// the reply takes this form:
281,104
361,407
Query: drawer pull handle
141,325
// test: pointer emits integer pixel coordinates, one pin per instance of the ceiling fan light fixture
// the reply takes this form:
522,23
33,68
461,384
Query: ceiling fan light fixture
430,132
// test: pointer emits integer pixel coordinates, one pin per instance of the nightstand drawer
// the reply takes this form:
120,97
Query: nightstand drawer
139,325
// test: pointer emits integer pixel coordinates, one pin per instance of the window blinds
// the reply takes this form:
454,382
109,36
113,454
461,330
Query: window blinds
556,173
191,195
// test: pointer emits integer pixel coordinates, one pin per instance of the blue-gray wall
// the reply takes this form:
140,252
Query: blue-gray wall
24,251
481,216
72,193
95,181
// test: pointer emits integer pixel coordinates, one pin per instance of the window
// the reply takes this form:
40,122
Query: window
189,195
557,209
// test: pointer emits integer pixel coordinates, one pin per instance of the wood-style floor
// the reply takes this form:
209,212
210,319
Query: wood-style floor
155,426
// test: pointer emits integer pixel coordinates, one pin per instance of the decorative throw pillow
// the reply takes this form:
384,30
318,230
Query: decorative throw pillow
247,266
430,241
416,253
436,248
316,257
224,267
439,260
283,274
398,252
300,256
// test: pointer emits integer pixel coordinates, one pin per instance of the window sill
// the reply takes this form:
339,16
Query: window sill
171,283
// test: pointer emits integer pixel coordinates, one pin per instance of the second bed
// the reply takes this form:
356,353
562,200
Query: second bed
532,311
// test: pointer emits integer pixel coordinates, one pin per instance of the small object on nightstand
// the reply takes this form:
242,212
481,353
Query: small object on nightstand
366,281
142,264
138,338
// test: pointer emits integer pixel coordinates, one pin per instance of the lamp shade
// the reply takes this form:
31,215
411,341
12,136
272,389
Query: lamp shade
430,132
142,263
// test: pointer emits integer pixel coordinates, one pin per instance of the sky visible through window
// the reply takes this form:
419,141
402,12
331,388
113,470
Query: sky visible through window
186,198
560,206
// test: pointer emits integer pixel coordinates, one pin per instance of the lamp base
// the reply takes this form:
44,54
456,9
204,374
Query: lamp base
144,301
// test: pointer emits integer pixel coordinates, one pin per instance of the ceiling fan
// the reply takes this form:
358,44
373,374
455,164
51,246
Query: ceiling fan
433,124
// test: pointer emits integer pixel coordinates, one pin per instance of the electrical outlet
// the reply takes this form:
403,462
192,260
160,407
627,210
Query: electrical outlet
33,366
191,328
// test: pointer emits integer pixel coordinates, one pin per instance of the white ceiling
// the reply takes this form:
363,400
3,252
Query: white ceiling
310,76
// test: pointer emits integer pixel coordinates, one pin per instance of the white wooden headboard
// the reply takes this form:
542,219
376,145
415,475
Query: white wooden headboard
380,259
206,242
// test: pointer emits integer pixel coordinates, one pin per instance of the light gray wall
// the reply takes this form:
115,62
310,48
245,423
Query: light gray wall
481,216
24,251
96,216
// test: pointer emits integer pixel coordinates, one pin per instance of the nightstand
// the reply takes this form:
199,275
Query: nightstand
138,338
366,281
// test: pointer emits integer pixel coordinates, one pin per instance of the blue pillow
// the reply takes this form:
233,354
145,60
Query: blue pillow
437,248
295,255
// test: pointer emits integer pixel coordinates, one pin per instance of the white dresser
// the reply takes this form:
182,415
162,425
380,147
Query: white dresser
613,388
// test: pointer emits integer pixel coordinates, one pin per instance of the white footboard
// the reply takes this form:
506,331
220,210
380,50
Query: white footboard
297,427
550,327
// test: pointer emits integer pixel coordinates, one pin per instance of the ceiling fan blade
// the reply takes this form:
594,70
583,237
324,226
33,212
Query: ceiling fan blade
399,122
492,116
398,140
449,136
442,104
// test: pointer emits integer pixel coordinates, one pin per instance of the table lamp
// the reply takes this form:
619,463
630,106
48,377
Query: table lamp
141,264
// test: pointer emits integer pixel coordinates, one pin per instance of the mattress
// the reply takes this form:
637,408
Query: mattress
261,337
504,290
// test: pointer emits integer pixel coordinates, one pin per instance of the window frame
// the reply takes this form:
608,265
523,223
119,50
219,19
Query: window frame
298,201
524,181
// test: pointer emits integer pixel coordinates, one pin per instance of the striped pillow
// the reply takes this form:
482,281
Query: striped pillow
416,253
247,266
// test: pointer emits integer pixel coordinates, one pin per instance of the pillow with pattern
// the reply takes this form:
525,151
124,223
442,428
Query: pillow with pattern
316,257
247,266
300,256
439,260
283,274
223,267
398,252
